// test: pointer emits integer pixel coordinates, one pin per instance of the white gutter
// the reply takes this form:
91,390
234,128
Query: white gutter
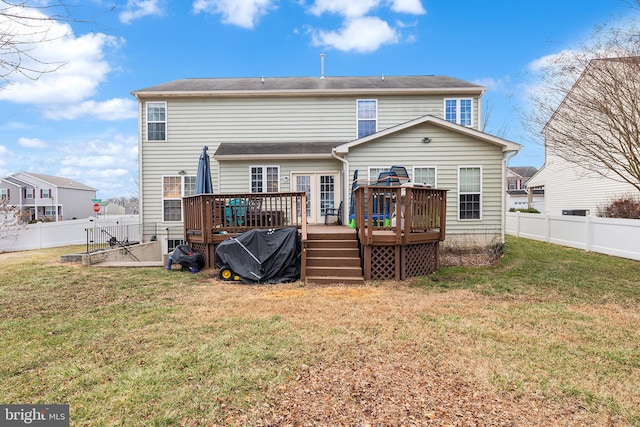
345,183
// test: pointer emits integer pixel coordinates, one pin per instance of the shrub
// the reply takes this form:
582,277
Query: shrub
624,207
527,210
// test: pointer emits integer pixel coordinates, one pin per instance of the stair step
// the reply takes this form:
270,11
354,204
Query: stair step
333,253
334,280
332,244
331,236
333,258
333,261
334,271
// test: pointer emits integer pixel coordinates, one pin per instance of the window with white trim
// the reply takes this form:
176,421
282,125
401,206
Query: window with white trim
156,121
459,110
265,179
374,173
4,194
174,188
425,175
45,193
29,193
367,117
470,193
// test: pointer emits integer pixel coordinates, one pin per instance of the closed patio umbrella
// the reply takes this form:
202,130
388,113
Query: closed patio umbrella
203,177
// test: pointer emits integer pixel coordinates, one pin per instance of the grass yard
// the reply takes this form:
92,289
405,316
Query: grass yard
550,336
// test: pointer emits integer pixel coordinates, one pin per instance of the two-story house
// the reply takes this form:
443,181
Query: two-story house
518,196
48,198
313,134
596,110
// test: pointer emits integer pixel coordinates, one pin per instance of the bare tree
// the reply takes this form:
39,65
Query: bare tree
24,25
588,105
12,219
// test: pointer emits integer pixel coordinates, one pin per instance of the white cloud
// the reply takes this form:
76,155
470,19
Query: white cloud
493,84
94,162
4,154
32,143
362,35
77,63
108,164
140,8
353,8
413,7
113,109
243,13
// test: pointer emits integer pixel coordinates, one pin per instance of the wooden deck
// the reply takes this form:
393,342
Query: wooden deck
397,228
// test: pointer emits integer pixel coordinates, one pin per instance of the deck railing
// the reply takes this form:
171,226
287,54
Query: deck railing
407,214
208,218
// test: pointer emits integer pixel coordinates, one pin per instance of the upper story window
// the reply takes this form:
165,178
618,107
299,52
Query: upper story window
45,193
4,194
459,111
29,193
425,175
367,117
156,121
470,193
265,179
173,189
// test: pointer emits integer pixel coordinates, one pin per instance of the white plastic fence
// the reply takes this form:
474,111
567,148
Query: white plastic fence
612,236
53,234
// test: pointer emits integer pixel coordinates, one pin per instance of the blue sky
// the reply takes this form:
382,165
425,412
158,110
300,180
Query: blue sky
81,120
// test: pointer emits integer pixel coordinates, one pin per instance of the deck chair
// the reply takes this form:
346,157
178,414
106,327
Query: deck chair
401,172
333,212
235,212
387,179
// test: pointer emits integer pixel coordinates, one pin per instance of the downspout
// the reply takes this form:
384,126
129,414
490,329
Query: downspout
345,172
505,158
140,174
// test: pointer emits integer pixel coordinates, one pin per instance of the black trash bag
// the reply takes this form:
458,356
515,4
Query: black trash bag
184,255
262,256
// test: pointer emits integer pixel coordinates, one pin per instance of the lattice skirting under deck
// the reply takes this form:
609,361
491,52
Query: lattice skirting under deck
400,262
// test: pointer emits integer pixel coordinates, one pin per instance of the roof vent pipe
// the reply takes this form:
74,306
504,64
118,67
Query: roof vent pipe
322,66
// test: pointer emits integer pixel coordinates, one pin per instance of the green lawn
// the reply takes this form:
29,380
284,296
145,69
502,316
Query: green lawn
150,347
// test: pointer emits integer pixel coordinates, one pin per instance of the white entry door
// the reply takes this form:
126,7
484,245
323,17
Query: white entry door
322,193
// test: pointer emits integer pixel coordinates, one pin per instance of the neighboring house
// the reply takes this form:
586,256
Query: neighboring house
313,134
48,198
114,209
517,192
569,187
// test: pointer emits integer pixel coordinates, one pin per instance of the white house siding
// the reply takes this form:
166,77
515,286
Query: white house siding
447,151
76,203
568,186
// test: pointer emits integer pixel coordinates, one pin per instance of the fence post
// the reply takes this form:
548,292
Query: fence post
588,231
547,228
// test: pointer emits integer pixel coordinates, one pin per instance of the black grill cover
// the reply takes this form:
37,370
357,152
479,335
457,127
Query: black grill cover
262,256
184,255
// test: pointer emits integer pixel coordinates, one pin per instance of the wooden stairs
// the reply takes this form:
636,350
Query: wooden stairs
333,257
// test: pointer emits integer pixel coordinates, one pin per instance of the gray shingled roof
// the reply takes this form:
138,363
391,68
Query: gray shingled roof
61,182
524,171
312,84
280,149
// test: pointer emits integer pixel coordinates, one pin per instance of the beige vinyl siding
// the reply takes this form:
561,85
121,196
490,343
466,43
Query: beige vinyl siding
286,119
236,179
195,122
447,151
